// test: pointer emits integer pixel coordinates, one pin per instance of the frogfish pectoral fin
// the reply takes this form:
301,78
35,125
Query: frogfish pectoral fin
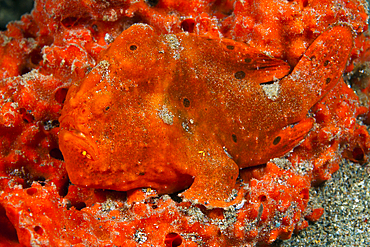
215,183
289,137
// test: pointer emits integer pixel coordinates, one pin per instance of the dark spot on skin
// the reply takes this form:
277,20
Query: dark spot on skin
230,47
248,60
239,75
141,173
326,63
327,80
234,138
106,108
313,57
186,102
276,140
133,47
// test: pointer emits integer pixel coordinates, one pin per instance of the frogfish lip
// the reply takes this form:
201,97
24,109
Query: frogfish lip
74,142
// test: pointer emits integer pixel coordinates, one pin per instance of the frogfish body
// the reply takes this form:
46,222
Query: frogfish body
181,111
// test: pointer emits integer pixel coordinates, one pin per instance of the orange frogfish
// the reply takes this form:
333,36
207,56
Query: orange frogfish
183,111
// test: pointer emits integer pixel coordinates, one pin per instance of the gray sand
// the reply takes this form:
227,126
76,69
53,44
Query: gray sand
346,221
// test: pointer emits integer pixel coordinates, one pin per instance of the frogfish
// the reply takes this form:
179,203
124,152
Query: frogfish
185,112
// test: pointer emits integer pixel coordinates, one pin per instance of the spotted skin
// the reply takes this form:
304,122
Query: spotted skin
176,112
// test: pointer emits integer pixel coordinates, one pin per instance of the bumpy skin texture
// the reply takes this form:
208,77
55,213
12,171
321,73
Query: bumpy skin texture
59,45
155,109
